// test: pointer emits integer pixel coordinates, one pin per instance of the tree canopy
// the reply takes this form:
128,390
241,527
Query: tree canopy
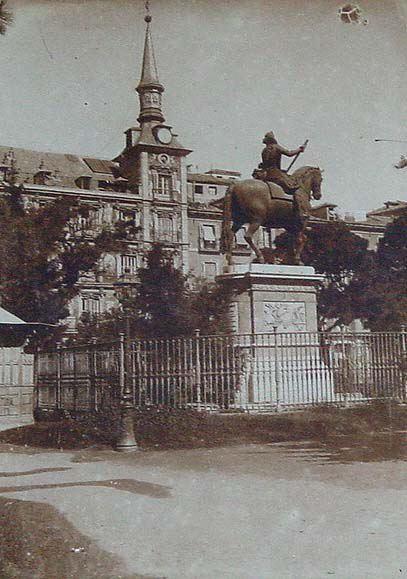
384,283
42,256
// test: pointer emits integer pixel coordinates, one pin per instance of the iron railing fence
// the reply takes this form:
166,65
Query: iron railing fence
253,372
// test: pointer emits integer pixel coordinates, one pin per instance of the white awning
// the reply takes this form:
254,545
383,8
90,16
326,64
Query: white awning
10,319
208,232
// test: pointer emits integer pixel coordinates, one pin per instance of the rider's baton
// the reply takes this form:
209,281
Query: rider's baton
296,157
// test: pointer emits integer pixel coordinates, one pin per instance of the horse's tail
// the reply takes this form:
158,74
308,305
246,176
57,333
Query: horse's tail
227,237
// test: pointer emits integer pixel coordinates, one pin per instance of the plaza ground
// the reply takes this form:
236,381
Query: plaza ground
282,510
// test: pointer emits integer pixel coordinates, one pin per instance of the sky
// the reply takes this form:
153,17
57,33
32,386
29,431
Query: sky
232,70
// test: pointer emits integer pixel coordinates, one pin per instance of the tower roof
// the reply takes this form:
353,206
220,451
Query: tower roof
149,73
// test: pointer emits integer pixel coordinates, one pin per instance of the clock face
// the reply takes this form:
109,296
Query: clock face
164,135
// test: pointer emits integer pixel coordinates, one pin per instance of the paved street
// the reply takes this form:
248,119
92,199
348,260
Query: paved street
280,511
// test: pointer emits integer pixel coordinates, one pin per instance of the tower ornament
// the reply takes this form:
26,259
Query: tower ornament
148,18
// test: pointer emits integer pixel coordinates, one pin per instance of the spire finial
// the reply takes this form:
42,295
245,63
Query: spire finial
148,16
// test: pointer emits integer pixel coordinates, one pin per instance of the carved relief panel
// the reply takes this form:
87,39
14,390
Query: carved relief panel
286,316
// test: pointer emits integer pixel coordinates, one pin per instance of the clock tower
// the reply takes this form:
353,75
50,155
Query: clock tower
154,164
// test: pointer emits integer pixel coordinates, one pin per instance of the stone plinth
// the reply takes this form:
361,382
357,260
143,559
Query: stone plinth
281,362
269,297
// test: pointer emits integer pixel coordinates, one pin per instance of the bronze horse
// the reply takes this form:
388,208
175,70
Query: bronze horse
257,203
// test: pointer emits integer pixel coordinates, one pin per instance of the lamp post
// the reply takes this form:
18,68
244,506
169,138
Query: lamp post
126,441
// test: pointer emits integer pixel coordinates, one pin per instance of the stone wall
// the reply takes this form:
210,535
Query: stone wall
16,382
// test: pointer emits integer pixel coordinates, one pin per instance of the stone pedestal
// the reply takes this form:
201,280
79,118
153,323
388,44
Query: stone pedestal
272,297
274,317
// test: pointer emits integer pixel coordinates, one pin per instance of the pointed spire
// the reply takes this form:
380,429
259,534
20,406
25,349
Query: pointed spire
149,87
149,74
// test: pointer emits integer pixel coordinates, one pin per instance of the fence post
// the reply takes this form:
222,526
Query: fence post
126,441
277,370
345,369
92,374
404,361
36,401
198,369
58,394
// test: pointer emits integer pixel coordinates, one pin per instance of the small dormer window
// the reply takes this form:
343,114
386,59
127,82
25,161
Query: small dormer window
41,177
106,185
84,182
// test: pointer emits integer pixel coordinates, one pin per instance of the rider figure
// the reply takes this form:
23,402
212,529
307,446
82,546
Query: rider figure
270,170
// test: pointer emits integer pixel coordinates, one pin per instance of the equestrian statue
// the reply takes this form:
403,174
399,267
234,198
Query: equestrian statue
272,199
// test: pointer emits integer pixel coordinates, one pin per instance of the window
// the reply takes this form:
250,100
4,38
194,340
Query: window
213,190
91,305
208,236
128,265
129,223
198,189
209,269
87,218
83,182
165,228
129,215
164,184
106,185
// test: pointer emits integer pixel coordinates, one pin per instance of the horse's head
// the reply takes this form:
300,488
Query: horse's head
316,182
310,179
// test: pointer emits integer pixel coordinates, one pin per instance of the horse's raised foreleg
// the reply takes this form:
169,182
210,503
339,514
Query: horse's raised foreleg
251,230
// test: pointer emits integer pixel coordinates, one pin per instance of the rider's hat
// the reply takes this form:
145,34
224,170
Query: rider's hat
269,138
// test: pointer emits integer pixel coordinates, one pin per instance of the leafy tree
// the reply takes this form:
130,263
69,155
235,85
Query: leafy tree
160,304
384,283
210,306
43,255
6,17
337,253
